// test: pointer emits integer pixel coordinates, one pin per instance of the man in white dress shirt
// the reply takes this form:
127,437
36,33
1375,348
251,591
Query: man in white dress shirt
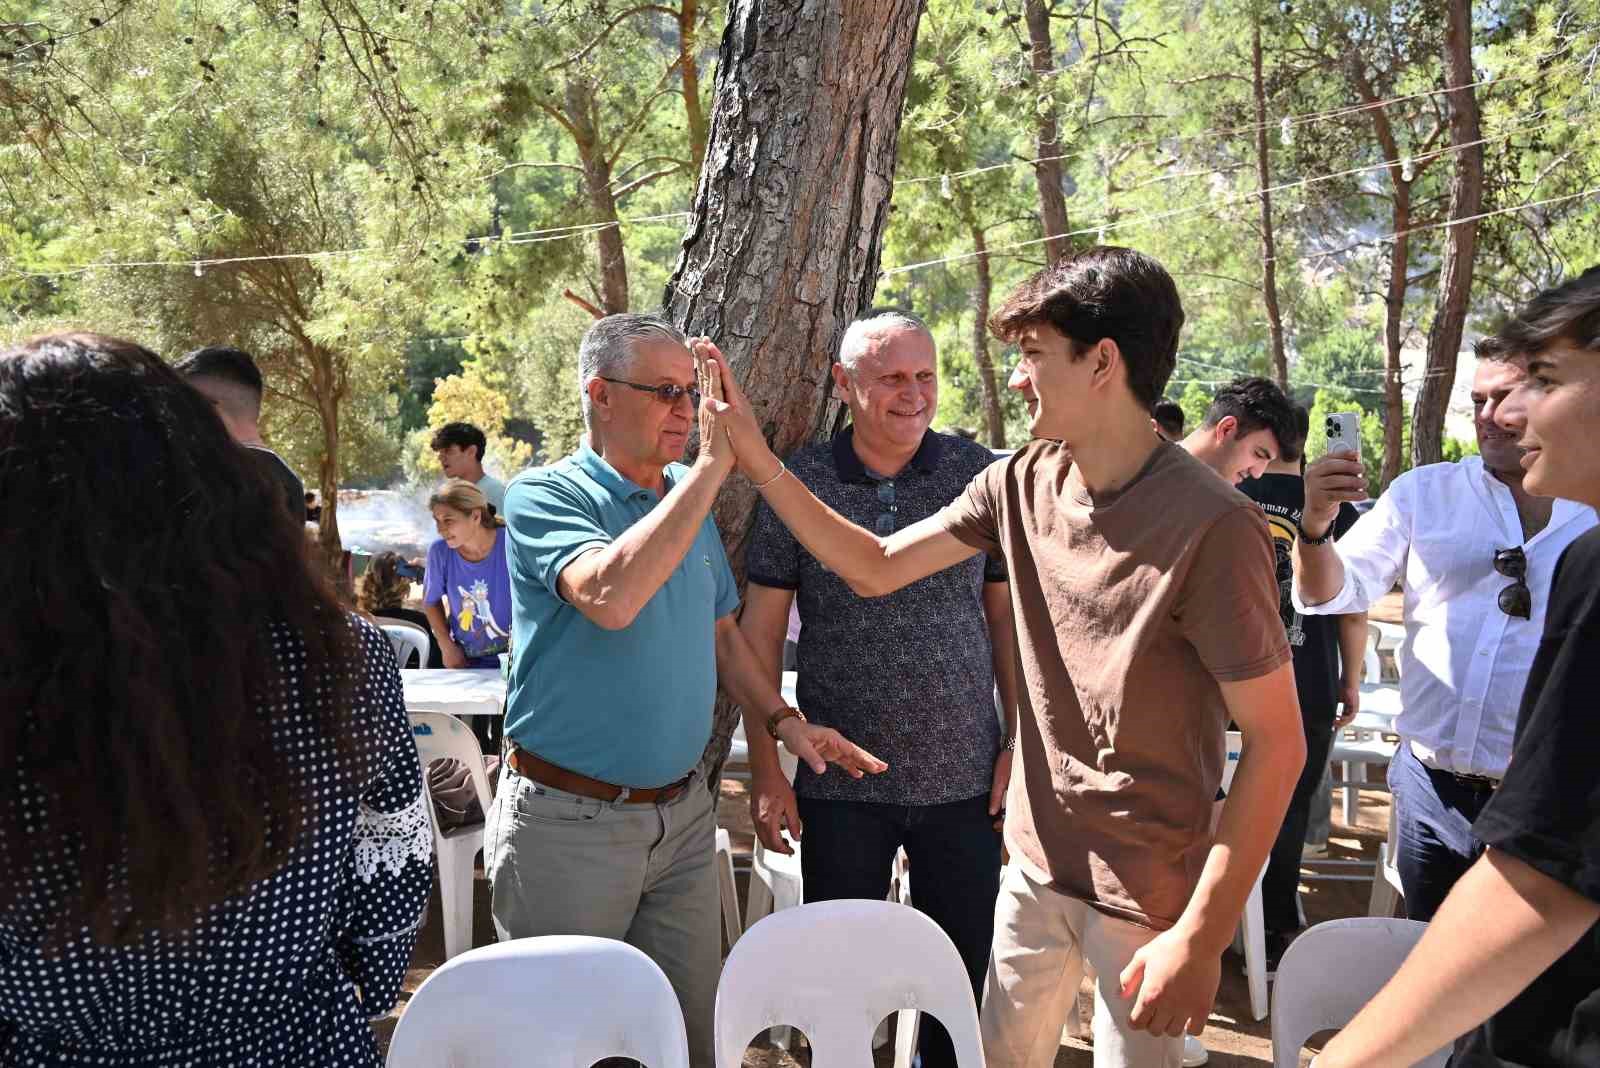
1475,552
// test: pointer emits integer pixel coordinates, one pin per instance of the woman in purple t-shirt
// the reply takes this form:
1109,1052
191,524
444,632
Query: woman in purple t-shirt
466,591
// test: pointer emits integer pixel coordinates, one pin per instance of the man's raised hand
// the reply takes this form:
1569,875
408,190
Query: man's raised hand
715,444
738,419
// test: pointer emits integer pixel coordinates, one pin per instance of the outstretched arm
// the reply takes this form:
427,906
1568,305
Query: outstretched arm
869,565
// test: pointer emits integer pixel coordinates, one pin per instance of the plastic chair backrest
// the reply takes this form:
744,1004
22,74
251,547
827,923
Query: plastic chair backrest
834,969
439,735
1231,764
575,1000
408,639
1371,666
1330,972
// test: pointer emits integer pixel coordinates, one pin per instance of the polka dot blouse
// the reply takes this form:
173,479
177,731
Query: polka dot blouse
288,973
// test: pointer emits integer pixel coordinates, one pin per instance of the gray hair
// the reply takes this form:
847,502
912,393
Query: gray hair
854,344
607,348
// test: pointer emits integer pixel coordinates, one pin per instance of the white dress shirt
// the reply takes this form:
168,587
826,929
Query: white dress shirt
1464,662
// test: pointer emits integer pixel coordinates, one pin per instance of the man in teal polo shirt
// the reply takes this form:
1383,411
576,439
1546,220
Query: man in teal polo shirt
623,626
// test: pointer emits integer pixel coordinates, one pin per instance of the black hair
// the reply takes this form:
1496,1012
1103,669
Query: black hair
462,435
1169,417
1295,449
1255,404
222,362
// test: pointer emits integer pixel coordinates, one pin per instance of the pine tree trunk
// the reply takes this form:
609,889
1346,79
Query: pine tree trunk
782,252
1047,145
580,113
327,377
988,387
1461,240
1269,252
1394,307
689,77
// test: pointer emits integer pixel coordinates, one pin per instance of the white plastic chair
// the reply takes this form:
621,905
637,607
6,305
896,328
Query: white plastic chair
846,965
438,736
576,1000
1252,937
1329,973
727,889
1387,890
1365,741
1371,664
408,638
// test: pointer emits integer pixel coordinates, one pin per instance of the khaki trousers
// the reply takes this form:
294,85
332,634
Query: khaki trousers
643,874
1041,940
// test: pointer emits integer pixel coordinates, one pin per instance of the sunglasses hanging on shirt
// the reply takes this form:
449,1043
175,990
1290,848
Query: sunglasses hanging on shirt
1516,600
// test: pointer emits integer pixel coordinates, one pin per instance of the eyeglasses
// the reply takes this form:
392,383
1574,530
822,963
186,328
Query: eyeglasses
1516,600
667,394
884,524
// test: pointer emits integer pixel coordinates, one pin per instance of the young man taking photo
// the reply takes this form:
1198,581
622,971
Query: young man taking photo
1146,613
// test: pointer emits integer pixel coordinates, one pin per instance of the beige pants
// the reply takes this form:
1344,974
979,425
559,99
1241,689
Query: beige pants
1041,940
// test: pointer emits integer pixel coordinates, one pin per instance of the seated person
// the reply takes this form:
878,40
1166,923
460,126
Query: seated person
466,589
384,590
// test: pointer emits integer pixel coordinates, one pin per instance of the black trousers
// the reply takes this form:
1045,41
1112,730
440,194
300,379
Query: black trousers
954,852
1280,886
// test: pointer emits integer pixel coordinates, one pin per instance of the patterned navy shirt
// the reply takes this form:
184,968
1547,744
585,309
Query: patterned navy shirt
909,676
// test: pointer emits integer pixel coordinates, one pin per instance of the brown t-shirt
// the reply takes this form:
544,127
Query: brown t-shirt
1129,613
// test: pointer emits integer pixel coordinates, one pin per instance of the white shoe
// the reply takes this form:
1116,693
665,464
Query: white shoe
1194,1054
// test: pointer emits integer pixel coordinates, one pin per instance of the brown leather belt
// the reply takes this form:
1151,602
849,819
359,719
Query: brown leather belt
545,773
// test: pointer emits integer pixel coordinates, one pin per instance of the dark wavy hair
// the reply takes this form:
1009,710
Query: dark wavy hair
382,585
1257,403
136,656
1104,292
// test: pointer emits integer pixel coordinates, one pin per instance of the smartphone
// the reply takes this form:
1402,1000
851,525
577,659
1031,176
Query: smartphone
409,570
1344,434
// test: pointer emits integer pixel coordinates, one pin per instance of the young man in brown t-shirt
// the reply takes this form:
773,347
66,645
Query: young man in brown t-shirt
1146,607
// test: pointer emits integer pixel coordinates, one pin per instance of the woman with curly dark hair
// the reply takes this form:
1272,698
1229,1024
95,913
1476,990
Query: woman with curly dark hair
213,845
383,594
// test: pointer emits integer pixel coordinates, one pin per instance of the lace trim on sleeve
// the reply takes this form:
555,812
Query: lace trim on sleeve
389,839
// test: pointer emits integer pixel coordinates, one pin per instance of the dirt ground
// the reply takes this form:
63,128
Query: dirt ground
1231,1036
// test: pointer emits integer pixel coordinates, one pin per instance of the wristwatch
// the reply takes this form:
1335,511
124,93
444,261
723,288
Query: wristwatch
786,712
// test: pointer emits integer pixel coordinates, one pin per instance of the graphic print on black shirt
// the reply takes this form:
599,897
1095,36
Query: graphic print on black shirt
1547,815
1313,639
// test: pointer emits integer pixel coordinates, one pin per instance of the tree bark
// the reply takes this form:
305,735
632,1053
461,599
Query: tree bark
988,387
580,114
327,379
1047,171
1269,252
1394,300
694,115
1461,240
782,251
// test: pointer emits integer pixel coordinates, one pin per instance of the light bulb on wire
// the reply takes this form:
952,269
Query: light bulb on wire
1286,131
945,189
199,271
1408,170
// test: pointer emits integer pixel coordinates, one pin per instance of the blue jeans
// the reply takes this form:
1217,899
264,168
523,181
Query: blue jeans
954,852
1434,845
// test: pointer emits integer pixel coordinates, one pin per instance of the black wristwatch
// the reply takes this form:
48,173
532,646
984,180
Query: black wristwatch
1307,539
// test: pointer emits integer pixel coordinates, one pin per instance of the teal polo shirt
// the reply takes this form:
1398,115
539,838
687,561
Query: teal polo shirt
630,707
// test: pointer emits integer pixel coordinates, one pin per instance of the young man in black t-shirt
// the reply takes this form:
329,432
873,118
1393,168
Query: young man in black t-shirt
1512,958
1328,652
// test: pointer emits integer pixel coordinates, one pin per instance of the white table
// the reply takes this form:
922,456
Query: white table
456,691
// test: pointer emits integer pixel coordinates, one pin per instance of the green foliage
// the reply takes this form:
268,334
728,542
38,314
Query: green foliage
409,132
